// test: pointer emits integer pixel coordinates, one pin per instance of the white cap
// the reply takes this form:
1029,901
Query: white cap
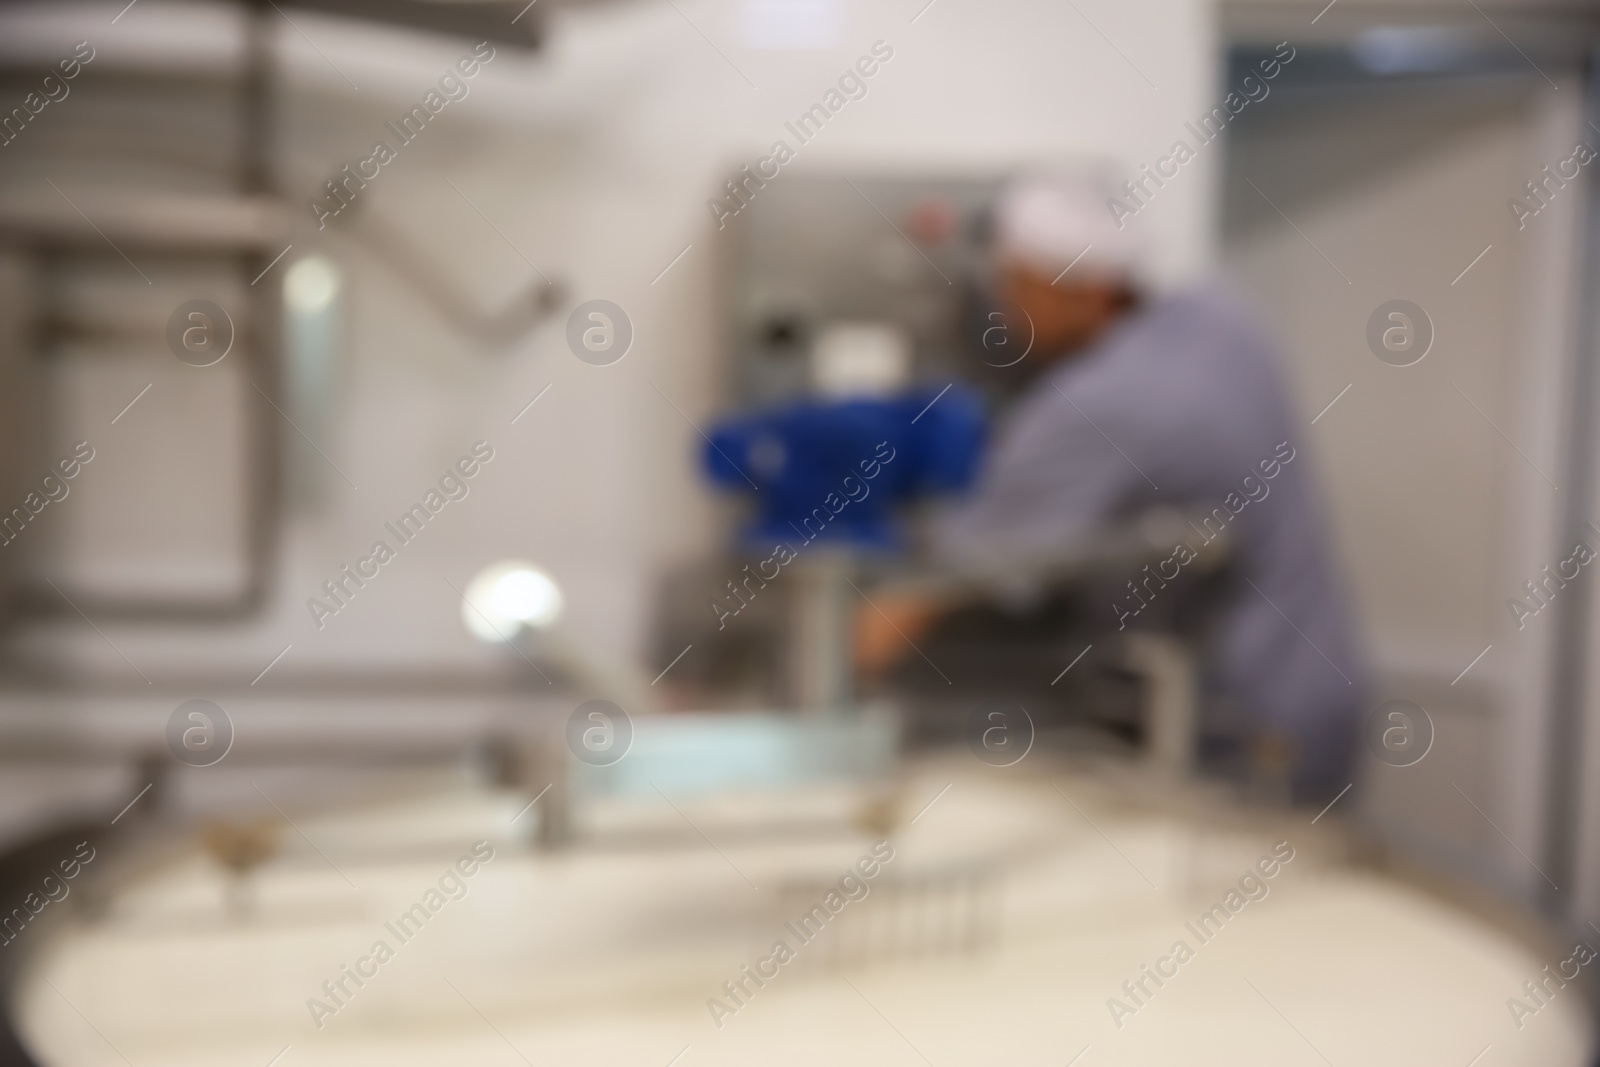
1048,219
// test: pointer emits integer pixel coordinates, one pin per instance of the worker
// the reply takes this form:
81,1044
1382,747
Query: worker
1138,402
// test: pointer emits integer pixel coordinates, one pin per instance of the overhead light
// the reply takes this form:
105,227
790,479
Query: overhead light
508,596
1414,49
790,24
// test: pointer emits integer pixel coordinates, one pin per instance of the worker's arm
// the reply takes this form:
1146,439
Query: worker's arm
888,625
1049,477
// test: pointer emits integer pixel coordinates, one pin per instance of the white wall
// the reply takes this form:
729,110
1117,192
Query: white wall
1441,510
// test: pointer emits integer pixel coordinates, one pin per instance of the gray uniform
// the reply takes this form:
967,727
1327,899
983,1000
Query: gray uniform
1181,404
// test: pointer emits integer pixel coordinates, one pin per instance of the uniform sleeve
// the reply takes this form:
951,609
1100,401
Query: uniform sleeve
1050,476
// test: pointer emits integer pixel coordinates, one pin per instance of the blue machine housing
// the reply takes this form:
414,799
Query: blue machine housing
834,470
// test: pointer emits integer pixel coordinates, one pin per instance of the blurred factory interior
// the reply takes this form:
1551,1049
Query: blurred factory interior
538,345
